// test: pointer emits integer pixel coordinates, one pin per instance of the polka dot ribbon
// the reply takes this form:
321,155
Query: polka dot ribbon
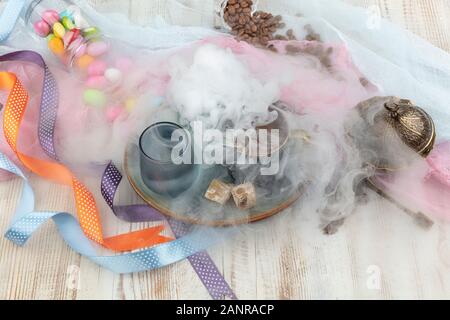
200,261
87,211
26,221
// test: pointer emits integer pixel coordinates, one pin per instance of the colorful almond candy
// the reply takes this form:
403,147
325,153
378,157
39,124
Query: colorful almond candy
124,64
81,41
42,28
84,61
130,104
112,113
77,47
113,75
59,30
97,48
76,32
67,23
69,32
80,22
96,82
66,13
94,98
97,68
91,32
68,38
56,45
50,16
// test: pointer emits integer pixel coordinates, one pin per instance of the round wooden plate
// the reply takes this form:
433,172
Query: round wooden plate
193,208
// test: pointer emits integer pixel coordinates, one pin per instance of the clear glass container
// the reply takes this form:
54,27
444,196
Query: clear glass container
103,69
68,34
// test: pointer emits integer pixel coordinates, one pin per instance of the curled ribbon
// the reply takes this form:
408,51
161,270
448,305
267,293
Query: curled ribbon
86,207
202,263
26,221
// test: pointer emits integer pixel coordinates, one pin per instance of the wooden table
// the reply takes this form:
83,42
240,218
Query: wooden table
378,254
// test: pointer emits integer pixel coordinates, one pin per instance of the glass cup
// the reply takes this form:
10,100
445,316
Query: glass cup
162,146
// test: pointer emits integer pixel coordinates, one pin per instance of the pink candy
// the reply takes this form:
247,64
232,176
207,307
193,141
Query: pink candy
42,28
50,16
96,49
96,82
68,38
78,47
97,68
124,64
112,113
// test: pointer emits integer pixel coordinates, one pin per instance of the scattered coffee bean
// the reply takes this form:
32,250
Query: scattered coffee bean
258,28
319,50
311,34
261,27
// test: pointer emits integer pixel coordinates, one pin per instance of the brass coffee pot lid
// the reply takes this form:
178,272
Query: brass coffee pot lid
382,120
413,125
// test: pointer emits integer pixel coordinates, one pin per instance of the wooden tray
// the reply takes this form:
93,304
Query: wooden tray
193,208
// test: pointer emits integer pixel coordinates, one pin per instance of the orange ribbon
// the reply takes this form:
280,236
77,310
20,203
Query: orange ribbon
87,211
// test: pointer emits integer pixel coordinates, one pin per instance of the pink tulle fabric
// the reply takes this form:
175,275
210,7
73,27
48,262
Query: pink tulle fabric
336,88
425,186
307,89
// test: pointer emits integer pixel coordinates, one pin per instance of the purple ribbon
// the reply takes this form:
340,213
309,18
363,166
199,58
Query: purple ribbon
205,268
49,99
132,213
201,262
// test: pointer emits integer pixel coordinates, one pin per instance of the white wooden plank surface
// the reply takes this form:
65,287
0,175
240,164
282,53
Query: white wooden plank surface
262,264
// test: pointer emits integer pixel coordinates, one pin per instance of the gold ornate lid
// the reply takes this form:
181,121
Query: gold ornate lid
385,128
412,124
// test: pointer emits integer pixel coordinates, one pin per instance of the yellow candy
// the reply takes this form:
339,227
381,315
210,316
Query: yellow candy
59,30
130,104
84,61
56,45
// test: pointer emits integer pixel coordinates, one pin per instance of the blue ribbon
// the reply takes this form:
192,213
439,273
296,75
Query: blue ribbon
26,221
9,17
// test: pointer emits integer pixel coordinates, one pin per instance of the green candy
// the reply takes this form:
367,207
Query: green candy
94,98
91,32
50,37
67,23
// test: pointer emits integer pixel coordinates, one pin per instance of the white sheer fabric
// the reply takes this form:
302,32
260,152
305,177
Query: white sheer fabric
399,62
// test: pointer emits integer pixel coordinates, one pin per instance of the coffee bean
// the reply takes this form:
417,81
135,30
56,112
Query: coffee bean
258,28
280,37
